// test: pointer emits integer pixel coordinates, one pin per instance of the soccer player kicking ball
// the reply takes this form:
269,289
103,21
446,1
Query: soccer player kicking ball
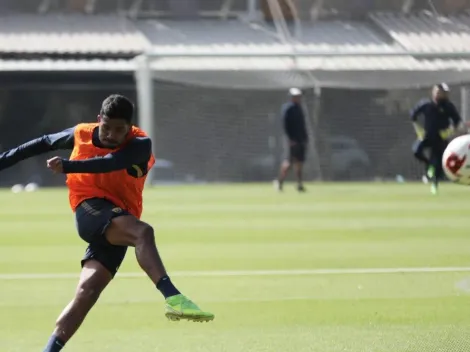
106,174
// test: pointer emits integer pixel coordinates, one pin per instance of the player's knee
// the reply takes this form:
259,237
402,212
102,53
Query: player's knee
145,234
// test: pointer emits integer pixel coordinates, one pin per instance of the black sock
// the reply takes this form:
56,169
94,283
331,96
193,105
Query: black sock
54,345
166,287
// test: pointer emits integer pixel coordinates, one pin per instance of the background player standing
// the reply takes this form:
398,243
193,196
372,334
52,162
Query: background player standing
440,115
106,174
297,138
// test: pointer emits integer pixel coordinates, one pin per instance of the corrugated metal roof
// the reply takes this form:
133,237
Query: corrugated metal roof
111,34
67,65
206,32
70,34
427,33
239,36
343,36
360,63
98,34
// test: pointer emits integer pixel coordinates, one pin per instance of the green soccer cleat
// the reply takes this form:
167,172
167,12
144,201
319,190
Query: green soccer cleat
179,307
434,189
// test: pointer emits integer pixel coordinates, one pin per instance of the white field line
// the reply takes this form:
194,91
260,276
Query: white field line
247,273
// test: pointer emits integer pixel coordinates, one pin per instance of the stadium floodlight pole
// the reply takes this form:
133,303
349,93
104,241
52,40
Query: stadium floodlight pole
145,108
315,119
252,9
464,103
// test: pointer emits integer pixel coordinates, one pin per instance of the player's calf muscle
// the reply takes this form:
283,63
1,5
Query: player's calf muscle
94,279
88,293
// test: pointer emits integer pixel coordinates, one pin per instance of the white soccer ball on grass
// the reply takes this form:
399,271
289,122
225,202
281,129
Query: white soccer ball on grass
17,188
31,187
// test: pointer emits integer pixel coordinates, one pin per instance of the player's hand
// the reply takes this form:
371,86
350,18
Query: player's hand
55,164
445,134
419,131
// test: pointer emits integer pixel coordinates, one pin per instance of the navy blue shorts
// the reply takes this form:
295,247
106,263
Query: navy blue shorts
295,153
92,217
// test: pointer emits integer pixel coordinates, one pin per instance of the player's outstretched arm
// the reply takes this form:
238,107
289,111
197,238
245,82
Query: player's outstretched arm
38,146
136,153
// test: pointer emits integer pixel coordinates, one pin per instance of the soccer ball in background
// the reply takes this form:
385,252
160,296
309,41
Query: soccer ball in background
456,160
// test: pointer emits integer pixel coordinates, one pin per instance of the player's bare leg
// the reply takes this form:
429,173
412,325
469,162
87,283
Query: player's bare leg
285,167
129,231
298,168
93,280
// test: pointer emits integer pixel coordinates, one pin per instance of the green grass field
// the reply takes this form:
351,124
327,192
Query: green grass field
263,263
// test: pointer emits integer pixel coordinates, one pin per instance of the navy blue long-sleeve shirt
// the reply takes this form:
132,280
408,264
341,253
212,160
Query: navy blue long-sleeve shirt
437,117
136,152
294,122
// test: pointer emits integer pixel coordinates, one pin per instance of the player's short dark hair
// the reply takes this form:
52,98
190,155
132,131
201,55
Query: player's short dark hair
117,106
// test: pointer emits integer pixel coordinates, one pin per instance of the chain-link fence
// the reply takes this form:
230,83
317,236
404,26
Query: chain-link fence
226,135
214,134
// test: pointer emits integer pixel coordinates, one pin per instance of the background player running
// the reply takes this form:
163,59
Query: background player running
439,115
106,173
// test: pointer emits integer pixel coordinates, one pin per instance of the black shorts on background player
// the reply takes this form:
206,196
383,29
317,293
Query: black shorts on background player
297,152
92,218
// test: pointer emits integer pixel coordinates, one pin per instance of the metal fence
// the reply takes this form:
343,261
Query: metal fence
236,135
223,135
